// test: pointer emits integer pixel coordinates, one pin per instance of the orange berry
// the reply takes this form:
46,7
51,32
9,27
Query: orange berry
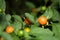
9,29
27,21
42,20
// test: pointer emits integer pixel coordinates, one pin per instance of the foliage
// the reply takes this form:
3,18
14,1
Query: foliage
50,31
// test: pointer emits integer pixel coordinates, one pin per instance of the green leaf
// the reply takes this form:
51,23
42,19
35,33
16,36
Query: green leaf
8,17
30,17
6,36
46,38
41,34
56,29
18,18
14,36
52,13
48,13
37,31
36,22
59,3
29,38
54,1
17,26
1,29
3,21
2,5
24,24
56,16
30,5
26,34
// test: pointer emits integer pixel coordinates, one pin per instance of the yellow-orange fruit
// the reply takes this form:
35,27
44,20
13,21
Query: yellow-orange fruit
27,30
42,20
9,29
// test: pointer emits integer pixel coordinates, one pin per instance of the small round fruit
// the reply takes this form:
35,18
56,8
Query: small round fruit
27,21
42,20
9,29
43,8
20,33
27,29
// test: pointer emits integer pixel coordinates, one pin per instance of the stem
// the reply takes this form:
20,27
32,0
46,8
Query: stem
43,27
47,23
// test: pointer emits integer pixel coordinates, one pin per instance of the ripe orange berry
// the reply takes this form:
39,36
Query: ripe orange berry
27,29
27,21
9,29
42,20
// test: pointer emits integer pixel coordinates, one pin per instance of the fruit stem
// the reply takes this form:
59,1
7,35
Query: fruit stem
43,27
47,23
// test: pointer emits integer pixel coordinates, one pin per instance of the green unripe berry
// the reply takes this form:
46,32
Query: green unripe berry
43,8
20,33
